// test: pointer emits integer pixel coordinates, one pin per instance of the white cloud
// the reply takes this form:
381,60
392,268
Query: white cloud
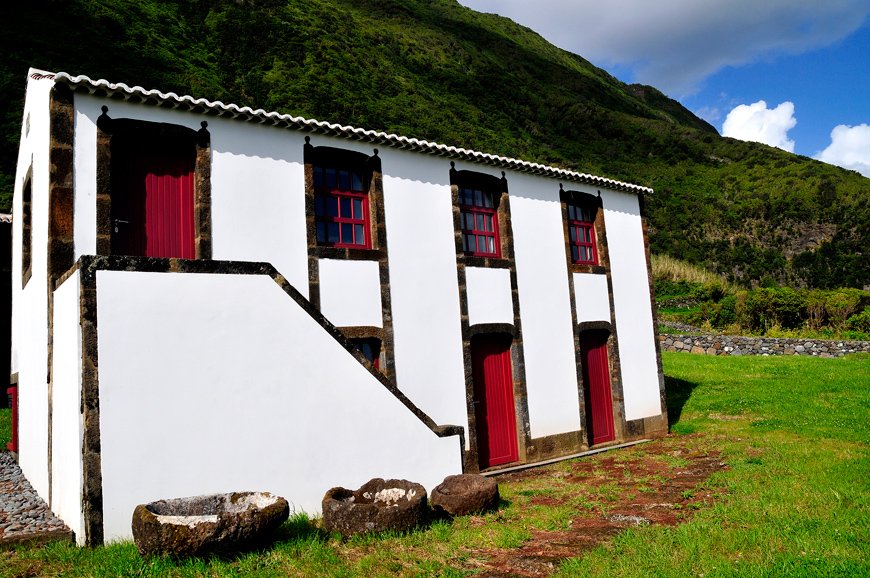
675,44
849,148
757,123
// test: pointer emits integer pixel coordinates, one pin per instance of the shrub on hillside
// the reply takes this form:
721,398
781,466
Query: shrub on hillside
859,322
841,304
780,306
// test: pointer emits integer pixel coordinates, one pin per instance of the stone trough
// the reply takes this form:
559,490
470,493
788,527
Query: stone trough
465,494
379,505
205,524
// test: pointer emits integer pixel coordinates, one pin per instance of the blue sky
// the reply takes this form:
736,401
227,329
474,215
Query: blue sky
782,72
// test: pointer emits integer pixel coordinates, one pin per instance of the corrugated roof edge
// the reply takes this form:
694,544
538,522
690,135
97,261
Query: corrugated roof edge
234,111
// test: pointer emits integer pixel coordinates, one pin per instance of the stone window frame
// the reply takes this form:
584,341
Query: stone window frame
107,128
377,234
504,256
599,239
581,231
27,228
527,448
358,336
478,217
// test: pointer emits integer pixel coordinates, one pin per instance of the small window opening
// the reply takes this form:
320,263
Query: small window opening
26,233
581,234
479,222
341,207
370,348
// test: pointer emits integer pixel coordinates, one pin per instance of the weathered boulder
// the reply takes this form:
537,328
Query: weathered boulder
203,524
379,505
465,494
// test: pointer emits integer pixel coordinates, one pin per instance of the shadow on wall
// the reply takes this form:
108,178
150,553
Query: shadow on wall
678,392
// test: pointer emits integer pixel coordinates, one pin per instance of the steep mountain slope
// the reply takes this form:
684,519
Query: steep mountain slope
436,70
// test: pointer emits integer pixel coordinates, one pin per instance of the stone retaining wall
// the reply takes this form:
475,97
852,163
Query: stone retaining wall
732,345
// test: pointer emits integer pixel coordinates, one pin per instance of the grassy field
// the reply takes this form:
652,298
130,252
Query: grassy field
791,498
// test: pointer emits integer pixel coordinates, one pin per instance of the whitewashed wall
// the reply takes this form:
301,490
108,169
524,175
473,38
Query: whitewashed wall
350,292
29,305
489,295
66,416
631,300
198,397
545,305
591,299
423,285
258,197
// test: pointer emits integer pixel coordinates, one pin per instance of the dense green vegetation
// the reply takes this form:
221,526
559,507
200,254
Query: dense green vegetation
771,310
436,70
794,499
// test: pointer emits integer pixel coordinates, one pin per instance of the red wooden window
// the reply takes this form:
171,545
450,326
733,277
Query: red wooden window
341,208
581,234
479,222
495,417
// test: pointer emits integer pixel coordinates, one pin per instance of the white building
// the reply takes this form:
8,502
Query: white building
209,298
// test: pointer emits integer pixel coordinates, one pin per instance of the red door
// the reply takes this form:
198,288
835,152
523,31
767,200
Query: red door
495,418
596,385
152,199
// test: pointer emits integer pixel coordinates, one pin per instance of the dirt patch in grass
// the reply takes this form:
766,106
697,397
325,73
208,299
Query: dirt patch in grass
660,486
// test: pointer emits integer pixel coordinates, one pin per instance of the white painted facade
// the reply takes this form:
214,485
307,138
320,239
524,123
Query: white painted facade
67,428
238,413
229,383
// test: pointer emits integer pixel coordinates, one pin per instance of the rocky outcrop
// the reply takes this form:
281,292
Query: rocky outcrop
465,494
379,505
203,524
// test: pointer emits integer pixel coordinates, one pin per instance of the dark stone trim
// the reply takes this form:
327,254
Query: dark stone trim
594,269
525,447
491,329
378,234
60,188
61,211
349,254
487,262
557,445
107,128
603,267
92,495
595,325
92,465
363,332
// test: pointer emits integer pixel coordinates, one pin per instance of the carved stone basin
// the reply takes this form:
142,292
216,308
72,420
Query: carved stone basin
465,494
379,505
203,524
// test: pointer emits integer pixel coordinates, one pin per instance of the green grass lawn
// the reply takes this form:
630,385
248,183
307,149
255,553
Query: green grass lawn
5,427
794,499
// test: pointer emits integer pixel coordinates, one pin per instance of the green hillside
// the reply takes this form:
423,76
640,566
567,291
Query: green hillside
436,70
